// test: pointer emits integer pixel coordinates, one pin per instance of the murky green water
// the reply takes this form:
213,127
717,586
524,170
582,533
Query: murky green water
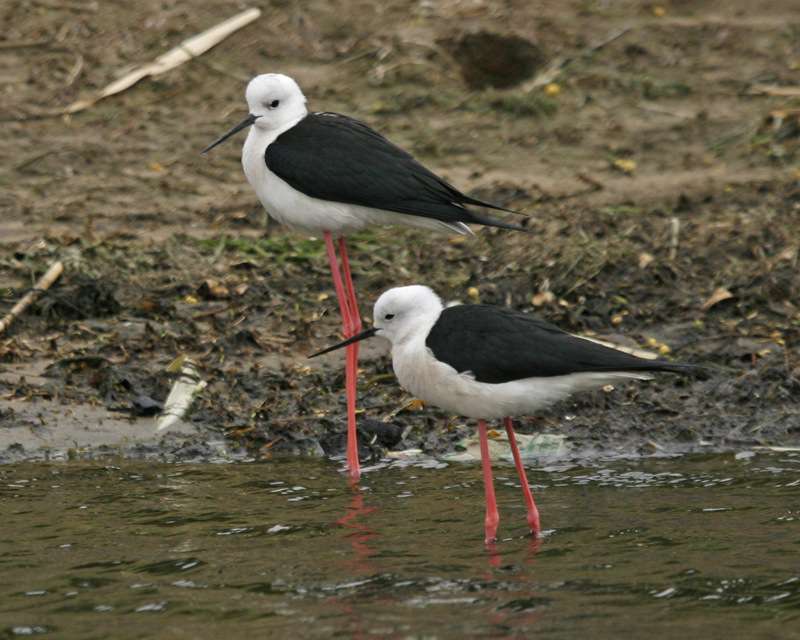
659,548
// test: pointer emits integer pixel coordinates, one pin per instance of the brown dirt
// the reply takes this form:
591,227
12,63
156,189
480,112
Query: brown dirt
659,125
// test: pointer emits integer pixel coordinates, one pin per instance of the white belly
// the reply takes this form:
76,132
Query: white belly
439,384
289,206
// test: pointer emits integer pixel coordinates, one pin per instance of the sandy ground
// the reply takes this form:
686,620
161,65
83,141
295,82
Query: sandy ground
661,180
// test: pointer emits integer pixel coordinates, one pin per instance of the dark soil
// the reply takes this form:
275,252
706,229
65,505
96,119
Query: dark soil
662,185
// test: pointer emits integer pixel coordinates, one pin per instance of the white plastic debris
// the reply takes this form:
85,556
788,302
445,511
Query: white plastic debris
405,454
540,445
186,387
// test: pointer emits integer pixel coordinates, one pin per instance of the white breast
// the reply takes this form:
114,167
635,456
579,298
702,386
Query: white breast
439,384
293,208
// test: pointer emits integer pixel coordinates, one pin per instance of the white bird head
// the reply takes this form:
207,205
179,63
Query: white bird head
399,314
274,101
402,311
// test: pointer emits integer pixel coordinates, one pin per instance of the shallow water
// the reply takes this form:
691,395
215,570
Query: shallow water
708,546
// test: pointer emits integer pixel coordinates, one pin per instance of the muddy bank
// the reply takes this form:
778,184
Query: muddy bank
662,187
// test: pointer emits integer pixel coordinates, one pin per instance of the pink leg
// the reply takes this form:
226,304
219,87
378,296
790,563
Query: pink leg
351,365
350,289
351,362
351,359
533,512
492,517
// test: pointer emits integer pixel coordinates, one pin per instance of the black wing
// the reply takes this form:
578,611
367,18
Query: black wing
498,345
332,157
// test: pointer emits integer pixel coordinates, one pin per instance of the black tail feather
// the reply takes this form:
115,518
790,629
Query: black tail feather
475,218
475,202
665,366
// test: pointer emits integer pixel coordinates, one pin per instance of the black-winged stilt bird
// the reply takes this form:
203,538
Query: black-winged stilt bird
325,172
488,363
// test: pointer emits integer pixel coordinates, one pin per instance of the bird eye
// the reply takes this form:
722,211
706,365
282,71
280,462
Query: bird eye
388,316
274,104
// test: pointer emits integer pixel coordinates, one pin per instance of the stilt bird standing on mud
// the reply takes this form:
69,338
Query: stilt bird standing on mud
488,363
325,172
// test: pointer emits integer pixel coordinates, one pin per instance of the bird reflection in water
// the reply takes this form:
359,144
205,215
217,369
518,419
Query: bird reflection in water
359,534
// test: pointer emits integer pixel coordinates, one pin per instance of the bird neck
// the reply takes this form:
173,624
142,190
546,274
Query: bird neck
414,335
264,137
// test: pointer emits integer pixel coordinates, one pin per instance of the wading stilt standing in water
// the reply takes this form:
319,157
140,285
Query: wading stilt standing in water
489,363
330,174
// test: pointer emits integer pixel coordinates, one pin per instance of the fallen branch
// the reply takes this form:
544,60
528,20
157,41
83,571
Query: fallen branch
44,283
185,51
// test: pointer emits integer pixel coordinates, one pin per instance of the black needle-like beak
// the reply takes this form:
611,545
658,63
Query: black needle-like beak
250,119
356,338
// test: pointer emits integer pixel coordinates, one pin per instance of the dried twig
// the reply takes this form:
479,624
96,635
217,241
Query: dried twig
27,162
595,184
603,43
185,51
775,90
356,56
558,65
674,234
228,73
212,312
44,283
89,7
582,281
653,108
73,74
23,44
